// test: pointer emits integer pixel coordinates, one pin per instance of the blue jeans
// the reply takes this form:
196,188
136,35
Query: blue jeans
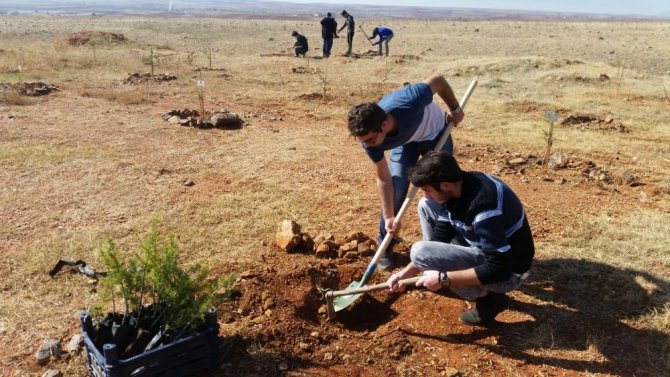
441,256
327,45
401,159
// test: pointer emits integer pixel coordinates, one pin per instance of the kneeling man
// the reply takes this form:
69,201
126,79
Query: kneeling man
476,238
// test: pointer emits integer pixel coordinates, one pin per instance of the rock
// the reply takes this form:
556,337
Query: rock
304,346
631,179
307,242
315,334
282,366
558,161
323,309
174,119
188,183
603,77
268,303
248,274
326,249
346,357
516,161
226,120
74,345
328,356
288,235
53,373
451,372
43,354
356,236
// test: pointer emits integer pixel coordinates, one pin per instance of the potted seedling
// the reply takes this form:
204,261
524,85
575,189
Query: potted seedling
162,320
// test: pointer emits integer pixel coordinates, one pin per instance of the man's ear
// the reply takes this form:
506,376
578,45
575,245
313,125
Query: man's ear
446,186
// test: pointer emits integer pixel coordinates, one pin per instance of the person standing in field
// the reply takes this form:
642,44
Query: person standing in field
328,32
408,123
385,36
300,47
350,25
476,237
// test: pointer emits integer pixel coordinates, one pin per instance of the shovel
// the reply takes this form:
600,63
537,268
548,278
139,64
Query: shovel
333,295
344,301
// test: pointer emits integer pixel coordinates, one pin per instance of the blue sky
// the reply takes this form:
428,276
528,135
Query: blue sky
641,7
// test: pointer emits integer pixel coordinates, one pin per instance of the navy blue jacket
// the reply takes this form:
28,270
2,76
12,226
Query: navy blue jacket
489,216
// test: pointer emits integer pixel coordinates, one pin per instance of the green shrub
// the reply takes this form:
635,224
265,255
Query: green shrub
152,275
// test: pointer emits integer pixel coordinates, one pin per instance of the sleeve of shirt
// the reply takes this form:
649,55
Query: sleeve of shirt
375,154
497,264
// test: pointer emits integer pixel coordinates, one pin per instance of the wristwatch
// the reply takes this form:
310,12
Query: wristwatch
444,279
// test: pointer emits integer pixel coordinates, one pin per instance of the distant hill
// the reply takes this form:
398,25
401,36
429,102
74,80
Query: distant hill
267,9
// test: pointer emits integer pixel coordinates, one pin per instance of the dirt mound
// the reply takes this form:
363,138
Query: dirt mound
310,97
137,78
92,36
32,89
301,69
593,122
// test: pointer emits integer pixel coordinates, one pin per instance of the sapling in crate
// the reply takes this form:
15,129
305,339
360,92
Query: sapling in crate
166,307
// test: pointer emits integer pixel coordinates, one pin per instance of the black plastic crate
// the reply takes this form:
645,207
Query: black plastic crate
180,358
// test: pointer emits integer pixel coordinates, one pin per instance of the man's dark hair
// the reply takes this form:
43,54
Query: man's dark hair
433,168
328,14
366,117
294,33
344,13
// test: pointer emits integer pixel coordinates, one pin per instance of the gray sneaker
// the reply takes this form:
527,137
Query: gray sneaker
386,262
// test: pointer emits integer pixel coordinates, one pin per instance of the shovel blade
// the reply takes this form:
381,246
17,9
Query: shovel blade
343,302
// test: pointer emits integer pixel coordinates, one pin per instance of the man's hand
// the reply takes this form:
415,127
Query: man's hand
392,226
393,282
455,116
430,280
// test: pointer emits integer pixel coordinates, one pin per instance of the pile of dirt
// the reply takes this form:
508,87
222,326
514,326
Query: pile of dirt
310,97
301,69
88,36
593,122
137,78
222,119
32,89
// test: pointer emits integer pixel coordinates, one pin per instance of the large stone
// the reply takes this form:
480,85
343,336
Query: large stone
558,161
326,249
288,235
226,120
53,373
74,345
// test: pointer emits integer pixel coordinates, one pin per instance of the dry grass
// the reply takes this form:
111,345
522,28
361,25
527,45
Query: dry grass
96,160
15,99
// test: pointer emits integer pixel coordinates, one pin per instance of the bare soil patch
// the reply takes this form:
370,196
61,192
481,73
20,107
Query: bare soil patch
83,37
138,78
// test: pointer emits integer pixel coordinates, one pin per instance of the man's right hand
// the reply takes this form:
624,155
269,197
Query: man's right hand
392,226
393,282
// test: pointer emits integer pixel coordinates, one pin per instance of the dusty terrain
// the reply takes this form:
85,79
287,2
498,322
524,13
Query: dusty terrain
96,159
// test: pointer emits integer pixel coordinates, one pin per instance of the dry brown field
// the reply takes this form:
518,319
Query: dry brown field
95,160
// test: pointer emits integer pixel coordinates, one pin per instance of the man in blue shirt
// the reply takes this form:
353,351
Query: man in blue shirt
476,238
409,124
385,35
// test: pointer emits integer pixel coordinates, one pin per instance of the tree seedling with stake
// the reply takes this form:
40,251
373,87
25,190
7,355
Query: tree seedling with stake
200,87
552,118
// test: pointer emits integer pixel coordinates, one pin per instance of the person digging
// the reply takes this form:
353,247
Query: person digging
476,237
408,123
300,47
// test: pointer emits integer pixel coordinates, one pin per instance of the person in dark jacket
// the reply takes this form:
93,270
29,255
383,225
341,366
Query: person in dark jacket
351,27
328,32
476,237
300,47
385,35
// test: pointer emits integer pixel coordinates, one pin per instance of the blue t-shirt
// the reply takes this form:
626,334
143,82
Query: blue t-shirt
407,106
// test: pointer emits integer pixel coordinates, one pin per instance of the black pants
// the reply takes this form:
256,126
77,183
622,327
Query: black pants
300,51
350,41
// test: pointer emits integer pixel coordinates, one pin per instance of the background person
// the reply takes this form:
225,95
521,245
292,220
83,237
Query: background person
328,32
477,240
385,36
350,25
409,124
300,47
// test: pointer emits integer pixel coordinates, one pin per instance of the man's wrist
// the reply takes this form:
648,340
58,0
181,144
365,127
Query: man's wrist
443,278
457,110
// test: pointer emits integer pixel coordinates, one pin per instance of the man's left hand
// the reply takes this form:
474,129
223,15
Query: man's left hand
430,280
